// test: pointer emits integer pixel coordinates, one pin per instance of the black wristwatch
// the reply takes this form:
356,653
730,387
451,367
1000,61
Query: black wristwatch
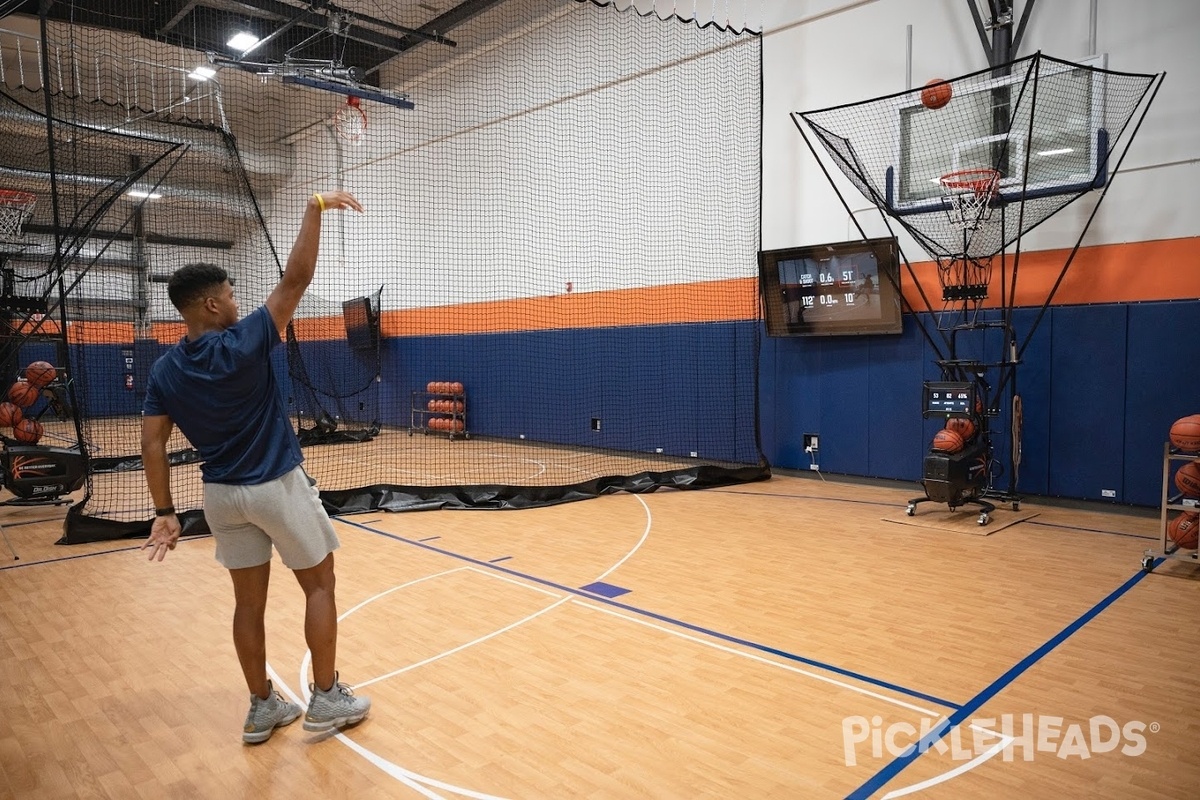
164,512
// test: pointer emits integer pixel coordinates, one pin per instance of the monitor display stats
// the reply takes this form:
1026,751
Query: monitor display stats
955,399
843,288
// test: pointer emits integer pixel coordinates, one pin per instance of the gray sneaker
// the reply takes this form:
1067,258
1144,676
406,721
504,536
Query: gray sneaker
267,715
335,708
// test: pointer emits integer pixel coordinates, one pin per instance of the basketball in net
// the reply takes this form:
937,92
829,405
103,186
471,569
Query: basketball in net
350,121
15,210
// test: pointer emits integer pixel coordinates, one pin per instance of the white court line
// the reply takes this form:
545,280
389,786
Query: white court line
1004,742
523,584
990,753
645,535
756,657
304,662
406,777
463,646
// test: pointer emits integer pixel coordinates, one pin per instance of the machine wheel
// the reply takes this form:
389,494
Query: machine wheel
984,519
911,510
1147,563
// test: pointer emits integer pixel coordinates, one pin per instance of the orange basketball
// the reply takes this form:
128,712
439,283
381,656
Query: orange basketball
456,425
936,93
947,441
40,373
23,394
431,387
10,415
456,387
28,431
1184,530
962,426
1187,479
1185,433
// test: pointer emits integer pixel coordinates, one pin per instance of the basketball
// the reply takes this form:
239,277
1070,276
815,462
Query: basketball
10,415
28,431
1187,479
947,441
1184,530
23,394
431,387
456,388
1185,433
936,93
40,373
962,426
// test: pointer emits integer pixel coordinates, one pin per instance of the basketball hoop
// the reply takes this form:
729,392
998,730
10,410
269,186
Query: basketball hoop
15,210
970,193
350,121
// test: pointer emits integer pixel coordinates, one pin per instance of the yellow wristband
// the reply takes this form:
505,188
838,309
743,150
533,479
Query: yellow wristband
320,200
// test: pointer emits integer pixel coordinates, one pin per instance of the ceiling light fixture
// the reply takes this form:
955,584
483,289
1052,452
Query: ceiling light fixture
142,194
243,41
202,73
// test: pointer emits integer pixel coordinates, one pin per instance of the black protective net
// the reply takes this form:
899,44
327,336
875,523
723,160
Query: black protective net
550,296
971,164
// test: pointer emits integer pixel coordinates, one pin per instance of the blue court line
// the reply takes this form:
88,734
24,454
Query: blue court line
1091,530
100,553
964,713
668,620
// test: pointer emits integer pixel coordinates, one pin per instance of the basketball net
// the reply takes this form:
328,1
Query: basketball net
970,194
350,121
15,210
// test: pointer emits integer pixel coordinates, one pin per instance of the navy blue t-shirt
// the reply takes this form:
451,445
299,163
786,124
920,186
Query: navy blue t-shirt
221,392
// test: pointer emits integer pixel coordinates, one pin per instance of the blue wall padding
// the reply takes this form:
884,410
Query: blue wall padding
1087,401
1101,386
1163,384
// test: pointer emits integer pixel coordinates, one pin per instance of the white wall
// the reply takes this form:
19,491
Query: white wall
822,53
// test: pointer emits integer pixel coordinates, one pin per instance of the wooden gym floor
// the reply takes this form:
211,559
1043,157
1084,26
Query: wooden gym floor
768,640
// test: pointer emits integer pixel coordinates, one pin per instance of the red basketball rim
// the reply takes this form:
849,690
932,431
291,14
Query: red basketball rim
980,180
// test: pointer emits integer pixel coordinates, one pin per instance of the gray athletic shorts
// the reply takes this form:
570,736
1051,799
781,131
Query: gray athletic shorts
247,520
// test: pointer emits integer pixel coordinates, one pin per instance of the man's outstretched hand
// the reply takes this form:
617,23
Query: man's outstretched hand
335,198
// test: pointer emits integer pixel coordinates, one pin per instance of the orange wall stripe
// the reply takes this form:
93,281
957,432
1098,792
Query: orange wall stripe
1166,269
708,301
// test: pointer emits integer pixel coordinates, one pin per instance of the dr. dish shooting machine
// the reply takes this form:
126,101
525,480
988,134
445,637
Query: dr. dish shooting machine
35,474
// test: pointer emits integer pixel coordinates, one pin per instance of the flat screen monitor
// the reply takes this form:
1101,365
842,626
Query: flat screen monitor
843,288
362,323
949,399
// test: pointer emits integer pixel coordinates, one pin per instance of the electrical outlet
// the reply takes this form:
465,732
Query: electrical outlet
810,442
595,423
1108,492
815,467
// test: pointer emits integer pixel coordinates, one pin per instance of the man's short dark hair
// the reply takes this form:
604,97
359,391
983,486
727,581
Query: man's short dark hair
193,282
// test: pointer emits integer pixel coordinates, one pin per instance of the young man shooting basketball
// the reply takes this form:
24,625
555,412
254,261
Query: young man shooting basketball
217,385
